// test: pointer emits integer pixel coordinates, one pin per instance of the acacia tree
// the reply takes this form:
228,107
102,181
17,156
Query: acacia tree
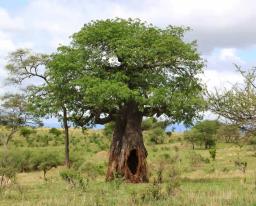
47,96
131,69
14,115
193,136
238,104
229,133
207,131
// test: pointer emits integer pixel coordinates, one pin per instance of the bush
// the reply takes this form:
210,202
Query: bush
47,161
108,129
212,152
252,140
192,136
207,130
25,161
157,136
55,132
26,132
74,179
147,124
228,133
92,170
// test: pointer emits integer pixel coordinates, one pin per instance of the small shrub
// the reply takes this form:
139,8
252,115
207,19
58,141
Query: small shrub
157,136
26,132
252,140
74,179
212,152
92,169
108,129
55,132
47,162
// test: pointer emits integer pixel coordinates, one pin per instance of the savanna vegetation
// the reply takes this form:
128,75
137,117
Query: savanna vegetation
136,80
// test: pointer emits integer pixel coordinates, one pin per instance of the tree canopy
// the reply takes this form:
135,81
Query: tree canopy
112,62
237,105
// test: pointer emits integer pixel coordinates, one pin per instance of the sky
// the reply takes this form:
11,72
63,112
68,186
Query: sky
224,29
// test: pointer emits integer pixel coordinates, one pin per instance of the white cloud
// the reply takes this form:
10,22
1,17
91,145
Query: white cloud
229,54
9,23
215,79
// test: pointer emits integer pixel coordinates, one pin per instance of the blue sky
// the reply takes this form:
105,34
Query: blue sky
12,5
224,29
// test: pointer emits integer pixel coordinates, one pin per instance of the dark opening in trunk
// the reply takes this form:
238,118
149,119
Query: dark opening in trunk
132,161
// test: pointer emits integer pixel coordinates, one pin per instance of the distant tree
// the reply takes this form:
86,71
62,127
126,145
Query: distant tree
26,132
193,136
55,132
147,124
14,114
47,162
157,135
228,133
207,130
238,103
212,152
152,122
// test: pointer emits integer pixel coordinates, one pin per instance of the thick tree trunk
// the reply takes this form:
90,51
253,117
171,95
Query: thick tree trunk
128,153
66,137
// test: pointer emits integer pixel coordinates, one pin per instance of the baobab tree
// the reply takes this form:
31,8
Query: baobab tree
128,70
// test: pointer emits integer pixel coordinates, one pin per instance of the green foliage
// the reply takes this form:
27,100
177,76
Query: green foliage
55,132
252,140
108,129
113,62
147,124
207,130
228,133
26,132
92,169
192,136
47,162
237,104
74,178
157,135
212,152
13,115
25,161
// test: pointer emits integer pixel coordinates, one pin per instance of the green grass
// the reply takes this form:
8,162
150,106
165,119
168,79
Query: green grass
204,183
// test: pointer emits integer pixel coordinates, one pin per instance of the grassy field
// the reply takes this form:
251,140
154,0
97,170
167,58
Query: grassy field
178,176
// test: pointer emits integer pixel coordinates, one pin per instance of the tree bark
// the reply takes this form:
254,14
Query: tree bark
127,152
66,137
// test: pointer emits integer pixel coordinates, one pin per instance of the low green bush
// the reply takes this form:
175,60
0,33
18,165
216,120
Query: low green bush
74,178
